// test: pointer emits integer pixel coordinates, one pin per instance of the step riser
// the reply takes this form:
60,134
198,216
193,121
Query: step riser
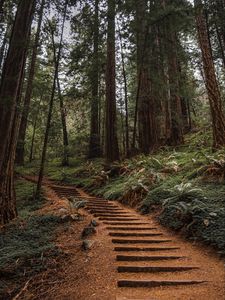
131,228
106,212
125,269
116,219
123,234
134,249
146,258
124,223
151,284
115,241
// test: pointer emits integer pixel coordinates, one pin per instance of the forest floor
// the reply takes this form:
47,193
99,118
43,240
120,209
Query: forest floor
180,189
72,273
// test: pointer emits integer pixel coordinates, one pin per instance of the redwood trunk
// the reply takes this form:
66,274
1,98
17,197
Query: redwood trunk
218,120
111,142
9,121
94,146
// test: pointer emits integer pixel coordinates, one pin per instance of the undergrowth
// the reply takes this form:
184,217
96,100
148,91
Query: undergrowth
192,175
26,244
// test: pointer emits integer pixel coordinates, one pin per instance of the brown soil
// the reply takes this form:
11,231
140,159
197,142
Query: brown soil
92,274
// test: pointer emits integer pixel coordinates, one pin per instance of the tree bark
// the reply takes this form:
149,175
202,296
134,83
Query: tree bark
111,142
28,94
218,119
9,90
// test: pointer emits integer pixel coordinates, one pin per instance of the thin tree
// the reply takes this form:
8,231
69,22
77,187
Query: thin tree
127,143
111,141
215,100
9,91
65,161
51,103
29,90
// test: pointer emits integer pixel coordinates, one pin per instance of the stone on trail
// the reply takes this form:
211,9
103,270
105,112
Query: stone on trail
94,223
87,244
87,231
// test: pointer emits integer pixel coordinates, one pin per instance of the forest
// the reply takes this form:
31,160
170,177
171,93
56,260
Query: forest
112,152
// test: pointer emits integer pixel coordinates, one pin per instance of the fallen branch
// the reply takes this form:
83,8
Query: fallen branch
22,290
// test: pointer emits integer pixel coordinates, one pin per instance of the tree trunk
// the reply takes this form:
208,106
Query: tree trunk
28,94
145,99
65,161
127,143
111,142
176,132
218,120
94,144
1,6
31,156
9,91
49,118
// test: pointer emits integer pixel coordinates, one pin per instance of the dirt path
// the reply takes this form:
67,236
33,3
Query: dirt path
133,257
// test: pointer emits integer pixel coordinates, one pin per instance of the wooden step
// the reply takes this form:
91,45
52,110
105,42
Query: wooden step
134,234
101,207
131,228
156,283
132,241
125,223
146,258
144,269
150,249
114,216
107,212
118,219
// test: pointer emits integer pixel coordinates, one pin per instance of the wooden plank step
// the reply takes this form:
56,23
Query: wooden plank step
156,283
146,258
131,228
125,223
101,207
131,241
107,212
141,269
134,234
134,249
109,215
118,219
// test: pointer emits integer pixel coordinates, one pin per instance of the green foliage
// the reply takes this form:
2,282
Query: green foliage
24,241
26,203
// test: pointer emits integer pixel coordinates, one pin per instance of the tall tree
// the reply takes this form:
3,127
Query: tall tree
29,89
215,100
111,142
94,146
9,91
146,105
